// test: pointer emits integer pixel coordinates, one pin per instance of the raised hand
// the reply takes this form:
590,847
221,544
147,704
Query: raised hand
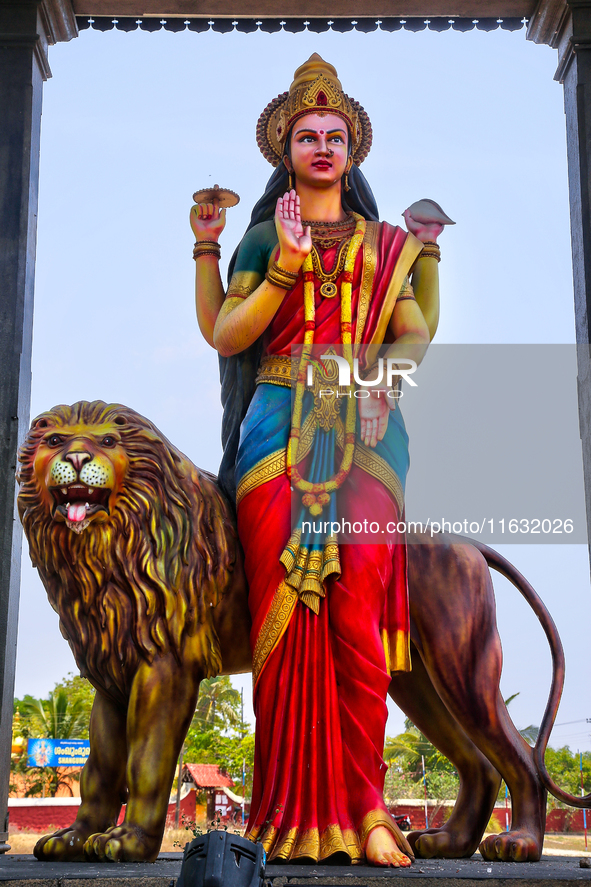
207,221
295,243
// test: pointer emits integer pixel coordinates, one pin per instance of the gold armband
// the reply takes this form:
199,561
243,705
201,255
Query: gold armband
206,248
278,276
406,291
243,283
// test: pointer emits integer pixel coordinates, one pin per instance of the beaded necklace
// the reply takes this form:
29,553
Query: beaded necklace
317,495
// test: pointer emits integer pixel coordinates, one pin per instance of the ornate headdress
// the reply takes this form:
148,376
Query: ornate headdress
316,89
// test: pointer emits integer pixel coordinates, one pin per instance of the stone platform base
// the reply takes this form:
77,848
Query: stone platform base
26,871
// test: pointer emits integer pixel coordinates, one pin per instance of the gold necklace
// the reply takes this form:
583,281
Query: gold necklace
328,288
325,487
346,224
328,234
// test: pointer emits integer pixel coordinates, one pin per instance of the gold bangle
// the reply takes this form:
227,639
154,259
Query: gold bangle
278,281
277,267
206,252
278,276
290,275
431,250
206,248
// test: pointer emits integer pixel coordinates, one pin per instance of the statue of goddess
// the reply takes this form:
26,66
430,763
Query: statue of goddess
330,621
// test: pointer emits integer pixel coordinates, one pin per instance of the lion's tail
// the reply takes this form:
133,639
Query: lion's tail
501,565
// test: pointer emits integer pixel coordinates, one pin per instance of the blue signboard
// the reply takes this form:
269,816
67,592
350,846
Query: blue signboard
57,752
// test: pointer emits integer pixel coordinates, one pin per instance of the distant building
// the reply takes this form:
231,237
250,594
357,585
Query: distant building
220,799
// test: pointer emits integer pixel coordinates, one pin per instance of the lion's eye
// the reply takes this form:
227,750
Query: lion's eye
55,440
108,441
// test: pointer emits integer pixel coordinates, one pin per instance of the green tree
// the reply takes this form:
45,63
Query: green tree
218,704
400,784
564,766
78,690
405,753
228,752
408,749
530,734
65,714
216,734
58,716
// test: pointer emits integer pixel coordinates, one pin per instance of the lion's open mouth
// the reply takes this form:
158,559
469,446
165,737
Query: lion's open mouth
78,502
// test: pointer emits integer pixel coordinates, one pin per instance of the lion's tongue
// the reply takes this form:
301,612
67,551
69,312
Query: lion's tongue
76,512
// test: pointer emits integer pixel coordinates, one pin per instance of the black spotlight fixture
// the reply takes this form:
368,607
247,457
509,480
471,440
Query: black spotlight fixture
220,859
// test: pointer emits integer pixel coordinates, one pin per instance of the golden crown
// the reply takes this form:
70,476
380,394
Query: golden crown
316,89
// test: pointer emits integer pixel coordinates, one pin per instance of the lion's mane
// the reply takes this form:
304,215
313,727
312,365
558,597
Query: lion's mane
143,582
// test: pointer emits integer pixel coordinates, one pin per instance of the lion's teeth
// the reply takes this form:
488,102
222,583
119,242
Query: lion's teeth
64,491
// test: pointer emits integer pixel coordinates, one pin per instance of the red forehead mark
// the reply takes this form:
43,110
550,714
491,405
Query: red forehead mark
321,132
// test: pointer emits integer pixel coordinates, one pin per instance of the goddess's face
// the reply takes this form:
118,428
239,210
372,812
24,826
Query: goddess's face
319,149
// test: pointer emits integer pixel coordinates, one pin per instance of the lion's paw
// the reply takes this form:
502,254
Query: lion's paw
67,844
441,843
513,846
122,843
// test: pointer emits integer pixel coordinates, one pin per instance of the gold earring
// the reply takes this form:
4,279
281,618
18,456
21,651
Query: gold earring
289,173
346,181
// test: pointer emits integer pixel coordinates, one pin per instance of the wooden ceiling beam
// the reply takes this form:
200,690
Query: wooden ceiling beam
307,8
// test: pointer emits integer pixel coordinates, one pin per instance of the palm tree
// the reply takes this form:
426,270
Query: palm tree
57,717
410,747
530,734
218,704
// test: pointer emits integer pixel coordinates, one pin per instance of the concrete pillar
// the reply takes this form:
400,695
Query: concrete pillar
566,25
26,28
574,72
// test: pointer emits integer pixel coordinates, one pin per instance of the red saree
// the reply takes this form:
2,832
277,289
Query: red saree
321,680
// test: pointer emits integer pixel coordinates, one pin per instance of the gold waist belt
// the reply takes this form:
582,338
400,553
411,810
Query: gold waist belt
278,369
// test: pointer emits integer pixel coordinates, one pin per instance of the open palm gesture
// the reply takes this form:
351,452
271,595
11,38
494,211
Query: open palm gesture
294,242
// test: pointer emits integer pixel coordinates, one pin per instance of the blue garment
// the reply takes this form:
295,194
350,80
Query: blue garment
266,427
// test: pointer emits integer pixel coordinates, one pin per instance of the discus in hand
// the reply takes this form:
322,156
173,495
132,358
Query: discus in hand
216,197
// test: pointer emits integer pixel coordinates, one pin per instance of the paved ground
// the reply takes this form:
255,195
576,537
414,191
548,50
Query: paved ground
550,871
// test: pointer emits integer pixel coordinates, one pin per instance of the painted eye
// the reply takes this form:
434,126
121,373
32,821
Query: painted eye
55,440
108,441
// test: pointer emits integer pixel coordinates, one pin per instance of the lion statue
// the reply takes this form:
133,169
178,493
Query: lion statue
138,552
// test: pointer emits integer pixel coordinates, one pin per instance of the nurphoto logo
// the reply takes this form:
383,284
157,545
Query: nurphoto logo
395,369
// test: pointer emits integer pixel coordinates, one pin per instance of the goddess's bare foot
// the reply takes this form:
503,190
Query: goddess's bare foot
382,849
